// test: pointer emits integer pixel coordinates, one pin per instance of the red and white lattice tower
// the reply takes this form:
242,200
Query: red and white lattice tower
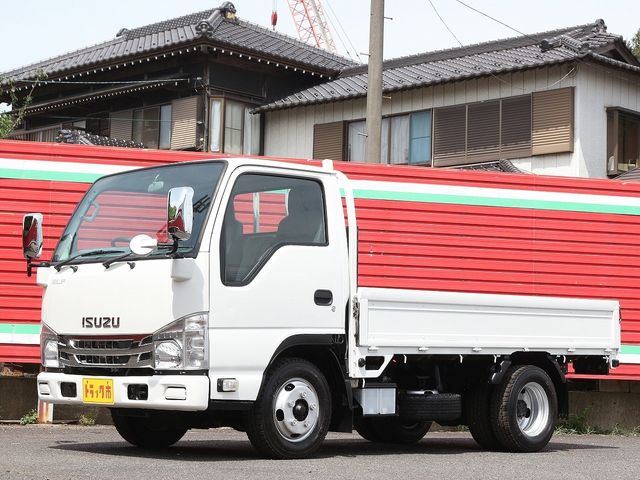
311,23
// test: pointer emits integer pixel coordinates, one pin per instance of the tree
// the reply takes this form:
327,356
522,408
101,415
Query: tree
19,104
634,44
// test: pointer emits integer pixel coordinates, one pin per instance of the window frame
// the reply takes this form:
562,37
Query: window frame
389,132
160,107
613,134
222,124
266,256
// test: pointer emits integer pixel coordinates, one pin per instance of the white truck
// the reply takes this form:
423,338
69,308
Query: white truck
226,293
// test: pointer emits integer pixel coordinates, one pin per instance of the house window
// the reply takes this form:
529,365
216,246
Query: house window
406,139
232,128
623,141
152,126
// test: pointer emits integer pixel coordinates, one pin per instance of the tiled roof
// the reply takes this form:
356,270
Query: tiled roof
502,165
207,26
490,58
633,174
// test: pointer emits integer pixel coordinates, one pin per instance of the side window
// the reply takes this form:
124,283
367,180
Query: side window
264,213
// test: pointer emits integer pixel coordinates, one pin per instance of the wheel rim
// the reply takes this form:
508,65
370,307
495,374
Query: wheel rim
296,410
532,409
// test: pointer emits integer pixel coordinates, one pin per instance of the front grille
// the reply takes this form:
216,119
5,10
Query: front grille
106,352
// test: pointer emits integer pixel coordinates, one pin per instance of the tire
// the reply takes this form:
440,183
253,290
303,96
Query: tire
291,416
366,429
477,406
141,432
524,409
391,430
440,407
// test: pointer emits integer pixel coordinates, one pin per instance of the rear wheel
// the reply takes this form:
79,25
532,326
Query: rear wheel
145,433
524,409
391,430
477,402
291,416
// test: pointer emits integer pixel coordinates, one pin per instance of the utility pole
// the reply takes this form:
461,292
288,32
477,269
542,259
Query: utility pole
374,84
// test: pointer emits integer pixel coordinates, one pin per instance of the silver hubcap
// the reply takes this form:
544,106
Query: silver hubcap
533,409
296,409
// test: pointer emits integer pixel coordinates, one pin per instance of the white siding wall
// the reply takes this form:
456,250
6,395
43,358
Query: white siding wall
598,88
289,133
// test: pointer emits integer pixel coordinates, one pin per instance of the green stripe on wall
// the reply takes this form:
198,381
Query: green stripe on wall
49,175
20,328
495,202
630,349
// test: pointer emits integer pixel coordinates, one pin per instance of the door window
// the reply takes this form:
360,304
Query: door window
264,213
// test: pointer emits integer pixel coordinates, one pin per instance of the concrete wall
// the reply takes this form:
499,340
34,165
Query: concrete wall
18,396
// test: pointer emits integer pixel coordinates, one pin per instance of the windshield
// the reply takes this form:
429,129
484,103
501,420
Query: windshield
119,207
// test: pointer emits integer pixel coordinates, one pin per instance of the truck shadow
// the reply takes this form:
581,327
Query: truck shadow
241,450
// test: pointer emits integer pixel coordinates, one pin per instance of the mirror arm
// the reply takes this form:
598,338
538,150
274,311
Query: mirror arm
31,265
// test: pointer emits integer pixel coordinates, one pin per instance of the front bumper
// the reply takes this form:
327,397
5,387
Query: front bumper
165,392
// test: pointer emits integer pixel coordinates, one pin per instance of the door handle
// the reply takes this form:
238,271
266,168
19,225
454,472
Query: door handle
323,297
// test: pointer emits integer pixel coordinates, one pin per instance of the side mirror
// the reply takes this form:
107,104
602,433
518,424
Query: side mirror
32,236
180,213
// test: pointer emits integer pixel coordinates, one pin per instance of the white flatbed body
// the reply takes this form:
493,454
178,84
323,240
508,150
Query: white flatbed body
394,321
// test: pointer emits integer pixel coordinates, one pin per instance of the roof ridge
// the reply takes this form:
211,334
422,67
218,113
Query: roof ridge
130,34
299,42
471,49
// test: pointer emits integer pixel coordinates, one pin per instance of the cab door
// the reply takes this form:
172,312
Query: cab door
280,270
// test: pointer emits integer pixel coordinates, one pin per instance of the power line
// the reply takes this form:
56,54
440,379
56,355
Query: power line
337,32
343,30
496,20
445,23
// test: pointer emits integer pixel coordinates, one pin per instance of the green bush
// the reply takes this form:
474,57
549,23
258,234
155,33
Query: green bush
87,420
29,418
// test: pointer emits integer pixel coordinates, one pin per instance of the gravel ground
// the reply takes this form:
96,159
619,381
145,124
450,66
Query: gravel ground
61,452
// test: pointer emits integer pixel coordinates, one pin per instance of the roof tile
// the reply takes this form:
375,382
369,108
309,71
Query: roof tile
240,35
487,58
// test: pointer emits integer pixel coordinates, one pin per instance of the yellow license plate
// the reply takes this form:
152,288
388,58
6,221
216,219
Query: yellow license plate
97,390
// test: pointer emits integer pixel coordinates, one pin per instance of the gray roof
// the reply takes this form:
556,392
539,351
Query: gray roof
208,26
490,58
502,165
633,174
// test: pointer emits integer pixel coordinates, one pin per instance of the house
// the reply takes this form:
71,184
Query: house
187,83
562,102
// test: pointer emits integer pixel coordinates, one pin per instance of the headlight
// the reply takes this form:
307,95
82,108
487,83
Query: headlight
49,347
183,345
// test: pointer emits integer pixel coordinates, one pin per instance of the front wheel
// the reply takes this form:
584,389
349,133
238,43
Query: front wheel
145,433
291,416
524,409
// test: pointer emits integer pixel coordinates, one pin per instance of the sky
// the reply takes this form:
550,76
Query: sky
33,30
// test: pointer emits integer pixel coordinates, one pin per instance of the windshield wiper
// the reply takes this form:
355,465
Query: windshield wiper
90,253
133,256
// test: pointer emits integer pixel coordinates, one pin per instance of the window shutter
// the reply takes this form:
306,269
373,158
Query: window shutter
328,140
184,123
121,124
516,127
483,131
552,121
449,130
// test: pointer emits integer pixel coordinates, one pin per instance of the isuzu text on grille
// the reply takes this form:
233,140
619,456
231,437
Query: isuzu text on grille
100,322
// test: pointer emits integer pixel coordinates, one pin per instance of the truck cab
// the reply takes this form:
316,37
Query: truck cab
158,301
